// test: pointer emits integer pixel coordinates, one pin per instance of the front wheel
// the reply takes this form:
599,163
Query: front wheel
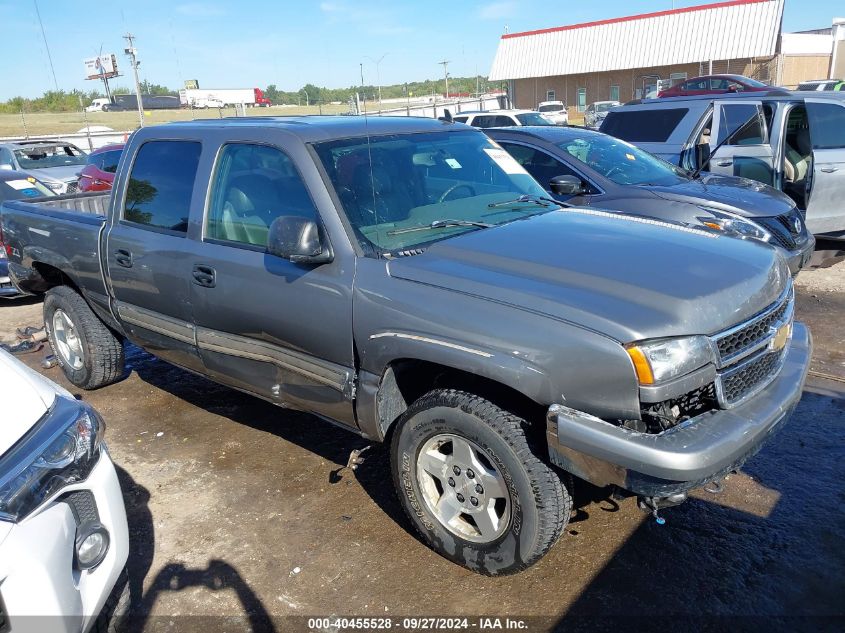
471,485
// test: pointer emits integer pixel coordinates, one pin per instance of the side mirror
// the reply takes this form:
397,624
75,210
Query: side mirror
566,185
299,240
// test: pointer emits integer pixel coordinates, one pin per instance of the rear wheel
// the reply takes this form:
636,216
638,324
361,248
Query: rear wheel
88,352
471,485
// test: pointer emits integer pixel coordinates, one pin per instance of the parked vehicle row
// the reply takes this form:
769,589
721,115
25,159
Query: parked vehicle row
587,168
55,163
498,341
794,142
502,118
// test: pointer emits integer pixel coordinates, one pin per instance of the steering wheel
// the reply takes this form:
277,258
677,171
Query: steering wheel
453,188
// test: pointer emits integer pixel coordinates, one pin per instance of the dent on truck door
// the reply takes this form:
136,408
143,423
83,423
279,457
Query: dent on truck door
749,154
147,251
826,202
264,324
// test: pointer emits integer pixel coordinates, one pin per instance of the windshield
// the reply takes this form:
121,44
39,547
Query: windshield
621,162
417,179
552,107
20,188
604,107
42,156
754,83
533,118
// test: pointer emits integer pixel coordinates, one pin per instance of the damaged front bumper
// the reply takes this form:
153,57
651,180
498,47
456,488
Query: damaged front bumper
695,452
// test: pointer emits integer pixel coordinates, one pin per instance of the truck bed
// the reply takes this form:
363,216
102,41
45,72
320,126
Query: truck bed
61,233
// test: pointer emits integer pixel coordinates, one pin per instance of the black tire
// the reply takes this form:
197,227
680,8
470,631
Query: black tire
115,614
540,505
101,351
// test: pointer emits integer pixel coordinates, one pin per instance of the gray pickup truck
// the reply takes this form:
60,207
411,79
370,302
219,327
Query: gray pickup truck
407,279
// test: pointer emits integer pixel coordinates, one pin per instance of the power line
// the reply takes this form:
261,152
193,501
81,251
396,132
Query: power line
47,46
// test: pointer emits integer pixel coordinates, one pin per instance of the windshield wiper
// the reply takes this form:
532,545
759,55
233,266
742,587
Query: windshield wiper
541,201
439,224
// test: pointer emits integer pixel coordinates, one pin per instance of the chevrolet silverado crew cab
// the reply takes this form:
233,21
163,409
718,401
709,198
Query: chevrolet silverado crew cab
406,278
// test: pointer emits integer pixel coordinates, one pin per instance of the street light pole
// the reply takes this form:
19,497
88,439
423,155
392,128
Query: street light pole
131,52
378,75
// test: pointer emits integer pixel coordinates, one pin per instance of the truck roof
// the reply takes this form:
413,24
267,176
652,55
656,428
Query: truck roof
315,128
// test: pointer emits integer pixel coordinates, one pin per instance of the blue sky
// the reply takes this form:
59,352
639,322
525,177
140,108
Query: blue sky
259,42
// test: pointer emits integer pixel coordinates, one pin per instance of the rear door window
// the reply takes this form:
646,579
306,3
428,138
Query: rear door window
161,182
643,126
827,125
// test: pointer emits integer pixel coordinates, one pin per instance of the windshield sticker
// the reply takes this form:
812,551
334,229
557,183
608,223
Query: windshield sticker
20,185
505,161
453,163
30,193
630,157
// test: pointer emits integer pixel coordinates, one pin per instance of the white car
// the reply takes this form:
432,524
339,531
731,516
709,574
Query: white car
502,118
211,102
64,540
555,111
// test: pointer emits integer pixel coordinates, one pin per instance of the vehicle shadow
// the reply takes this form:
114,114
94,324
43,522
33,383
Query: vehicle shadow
218,575
774,562
332,443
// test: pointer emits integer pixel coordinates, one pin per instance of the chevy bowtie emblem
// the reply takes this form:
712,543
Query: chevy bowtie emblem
781,337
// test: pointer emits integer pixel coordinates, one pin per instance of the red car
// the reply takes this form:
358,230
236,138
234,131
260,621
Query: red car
713,85
98,173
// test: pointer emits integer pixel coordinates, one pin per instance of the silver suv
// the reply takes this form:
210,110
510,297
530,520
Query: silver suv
794,141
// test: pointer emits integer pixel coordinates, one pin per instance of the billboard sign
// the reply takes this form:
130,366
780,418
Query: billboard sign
102,67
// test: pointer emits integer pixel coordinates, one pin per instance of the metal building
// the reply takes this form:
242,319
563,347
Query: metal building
630,57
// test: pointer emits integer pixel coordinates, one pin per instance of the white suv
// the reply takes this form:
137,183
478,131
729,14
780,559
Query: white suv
502,118
64,541
555,111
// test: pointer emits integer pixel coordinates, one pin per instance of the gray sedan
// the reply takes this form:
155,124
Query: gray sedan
583,167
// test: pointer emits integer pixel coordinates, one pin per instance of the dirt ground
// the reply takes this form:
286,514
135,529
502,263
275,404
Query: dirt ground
238,509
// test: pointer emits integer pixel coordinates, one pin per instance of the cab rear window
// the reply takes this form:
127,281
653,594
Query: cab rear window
643,126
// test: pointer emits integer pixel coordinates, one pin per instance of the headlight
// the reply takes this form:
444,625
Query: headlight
664,359
733,224
54,455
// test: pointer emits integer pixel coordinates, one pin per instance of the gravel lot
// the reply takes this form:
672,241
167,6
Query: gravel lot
239,509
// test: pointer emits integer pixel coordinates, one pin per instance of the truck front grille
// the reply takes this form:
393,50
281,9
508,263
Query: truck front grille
746,338
749,377
72,187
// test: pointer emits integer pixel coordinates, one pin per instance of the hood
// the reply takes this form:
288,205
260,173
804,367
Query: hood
65,173
624,277
742,196
25,396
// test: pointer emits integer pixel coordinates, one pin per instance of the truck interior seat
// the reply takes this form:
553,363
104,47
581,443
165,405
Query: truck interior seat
797,158
252,202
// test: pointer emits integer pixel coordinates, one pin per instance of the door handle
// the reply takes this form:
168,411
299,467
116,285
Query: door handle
205,276
123,258
829,169
724,163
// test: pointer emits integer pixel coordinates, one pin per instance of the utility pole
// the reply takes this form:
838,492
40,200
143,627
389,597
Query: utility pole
445,64
378,75
131,51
